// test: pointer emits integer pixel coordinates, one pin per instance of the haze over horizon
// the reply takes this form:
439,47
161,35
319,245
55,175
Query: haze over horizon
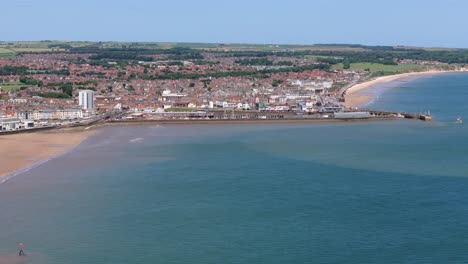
417,23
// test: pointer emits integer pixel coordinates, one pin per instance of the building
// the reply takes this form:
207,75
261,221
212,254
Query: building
25,115
303,106
59,114
70,114
8,124
168,95
43,115
86,99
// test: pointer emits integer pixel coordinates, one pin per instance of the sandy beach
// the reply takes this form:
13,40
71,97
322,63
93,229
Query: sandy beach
355,97
22,150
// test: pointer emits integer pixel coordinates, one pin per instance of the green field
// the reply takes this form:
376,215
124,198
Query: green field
6,53
375,67
11,86
9,49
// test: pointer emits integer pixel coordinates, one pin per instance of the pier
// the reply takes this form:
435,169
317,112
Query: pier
250,116
423,117
256,115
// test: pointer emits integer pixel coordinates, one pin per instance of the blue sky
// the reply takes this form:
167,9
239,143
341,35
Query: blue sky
434,23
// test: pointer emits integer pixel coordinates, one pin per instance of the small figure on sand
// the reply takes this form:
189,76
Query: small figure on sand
21,253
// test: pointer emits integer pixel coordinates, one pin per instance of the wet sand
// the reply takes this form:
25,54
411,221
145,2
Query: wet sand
13,260
19,151
355,96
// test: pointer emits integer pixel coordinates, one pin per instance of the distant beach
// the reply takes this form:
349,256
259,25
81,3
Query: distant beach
355,97
19,151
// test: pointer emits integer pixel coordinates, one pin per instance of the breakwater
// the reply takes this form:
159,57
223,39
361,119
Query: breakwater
264,116
234,117
423,117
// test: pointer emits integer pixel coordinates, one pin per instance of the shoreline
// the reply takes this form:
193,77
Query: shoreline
354,96
24,151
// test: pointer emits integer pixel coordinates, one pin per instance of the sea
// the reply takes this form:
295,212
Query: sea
350,192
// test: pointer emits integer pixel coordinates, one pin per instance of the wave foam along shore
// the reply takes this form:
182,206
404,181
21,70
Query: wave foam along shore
355,97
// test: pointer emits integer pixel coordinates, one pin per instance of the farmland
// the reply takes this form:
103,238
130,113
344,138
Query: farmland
7,53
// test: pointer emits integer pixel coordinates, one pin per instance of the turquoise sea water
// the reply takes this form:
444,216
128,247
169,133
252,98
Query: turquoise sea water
358,192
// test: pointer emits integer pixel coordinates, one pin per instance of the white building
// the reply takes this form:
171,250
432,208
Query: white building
167,94
25,115
225,104
243,106
70,114
86,99
57,114
8,124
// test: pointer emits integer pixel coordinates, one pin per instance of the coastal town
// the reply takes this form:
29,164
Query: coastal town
238,132
66,86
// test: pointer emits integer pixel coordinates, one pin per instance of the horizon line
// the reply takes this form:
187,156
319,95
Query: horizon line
236,43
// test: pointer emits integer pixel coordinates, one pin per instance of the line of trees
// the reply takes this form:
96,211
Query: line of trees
120,56
65,72
53,95
260,61
260,74
377,54
30,81
14,70
23,70
263,62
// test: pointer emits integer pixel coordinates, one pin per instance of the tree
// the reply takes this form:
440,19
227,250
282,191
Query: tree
132,76
30,81
67,90
346,64
276,83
